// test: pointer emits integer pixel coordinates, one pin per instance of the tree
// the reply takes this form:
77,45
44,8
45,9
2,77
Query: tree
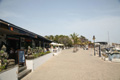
60,39
84,41
51,37
56,37
75,38
65,40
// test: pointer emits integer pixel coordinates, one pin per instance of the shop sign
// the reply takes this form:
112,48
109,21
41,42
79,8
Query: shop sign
28,40
21,56
11,28
11,37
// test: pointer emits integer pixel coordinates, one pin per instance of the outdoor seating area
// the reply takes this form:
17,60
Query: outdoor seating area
55,47
36,52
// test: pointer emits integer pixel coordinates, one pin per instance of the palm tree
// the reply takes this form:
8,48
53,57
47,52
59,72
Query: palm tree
74,37
75,40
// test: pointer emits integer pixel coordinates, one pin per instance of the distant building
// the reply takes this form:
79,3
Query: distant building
102,44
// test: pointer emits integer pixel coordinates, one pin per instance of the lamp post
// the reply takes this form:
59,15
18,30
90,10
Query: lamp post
94,44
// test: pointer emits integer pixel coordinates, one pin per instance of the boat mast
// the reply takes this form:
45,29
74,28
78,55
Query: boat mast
108,40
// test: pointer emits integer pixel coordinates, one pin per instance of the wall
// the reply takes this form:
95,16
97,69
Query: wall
35,63
10,74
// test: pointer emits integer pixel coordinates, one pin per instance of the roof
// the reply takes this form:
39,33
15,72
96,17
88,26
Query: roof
104,43
24,31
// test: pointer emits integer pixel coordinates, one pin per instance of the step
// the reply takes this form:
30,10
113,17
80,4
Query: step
21,69
23,73
11,62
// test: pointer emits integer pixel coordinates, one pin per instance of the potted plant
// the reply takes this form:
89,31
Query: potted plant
3,58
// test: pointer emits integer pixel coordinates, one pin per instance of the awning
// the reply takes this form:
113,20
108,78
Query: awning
56,44
11,29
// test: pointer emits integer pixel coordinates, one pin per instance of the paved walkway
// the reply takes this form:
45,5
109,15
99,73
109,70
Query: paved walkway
81,65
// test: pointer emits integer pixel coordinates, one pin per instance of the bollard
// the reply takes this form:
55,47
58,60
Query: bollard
99,51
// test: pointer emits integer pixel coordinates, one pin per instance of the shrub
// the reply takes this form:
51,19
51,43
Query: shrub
47,52
37,53
2,67
42,53
3,60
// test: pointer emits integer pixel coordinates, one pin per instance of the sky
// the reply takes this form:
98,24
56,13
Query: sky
55,17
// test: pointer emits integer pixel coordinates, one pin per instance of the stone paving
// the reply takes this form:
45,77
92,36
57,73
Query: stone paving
81,65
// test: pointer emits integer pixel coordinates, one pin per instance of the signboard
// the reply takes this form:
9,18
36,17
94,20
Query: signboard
11,28
21,56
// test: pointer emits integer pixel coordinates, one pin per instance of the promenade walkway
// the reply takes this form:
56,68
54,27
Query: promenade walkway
81,65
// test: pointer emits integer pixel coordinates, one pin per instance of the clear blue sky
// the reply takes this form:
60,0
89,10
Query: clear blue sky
55,17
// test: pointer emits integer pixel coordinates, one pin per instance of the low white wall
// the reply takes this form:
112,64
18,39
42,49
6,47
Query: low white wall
56,53
29,64
10,74
35,63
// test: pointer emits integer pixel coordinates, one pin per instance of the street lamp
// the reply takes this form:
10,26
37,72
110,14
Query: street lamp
94,44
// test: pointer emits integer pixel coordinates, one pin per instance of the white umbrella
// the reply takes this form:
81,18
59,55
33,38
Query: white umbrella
61,44
55,44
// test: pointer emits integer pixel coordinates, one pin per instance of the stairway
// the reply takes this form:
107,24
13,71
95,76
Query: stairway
22,72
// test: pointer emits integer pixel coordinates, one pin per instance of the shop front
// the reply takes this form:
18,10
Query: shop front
15,39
